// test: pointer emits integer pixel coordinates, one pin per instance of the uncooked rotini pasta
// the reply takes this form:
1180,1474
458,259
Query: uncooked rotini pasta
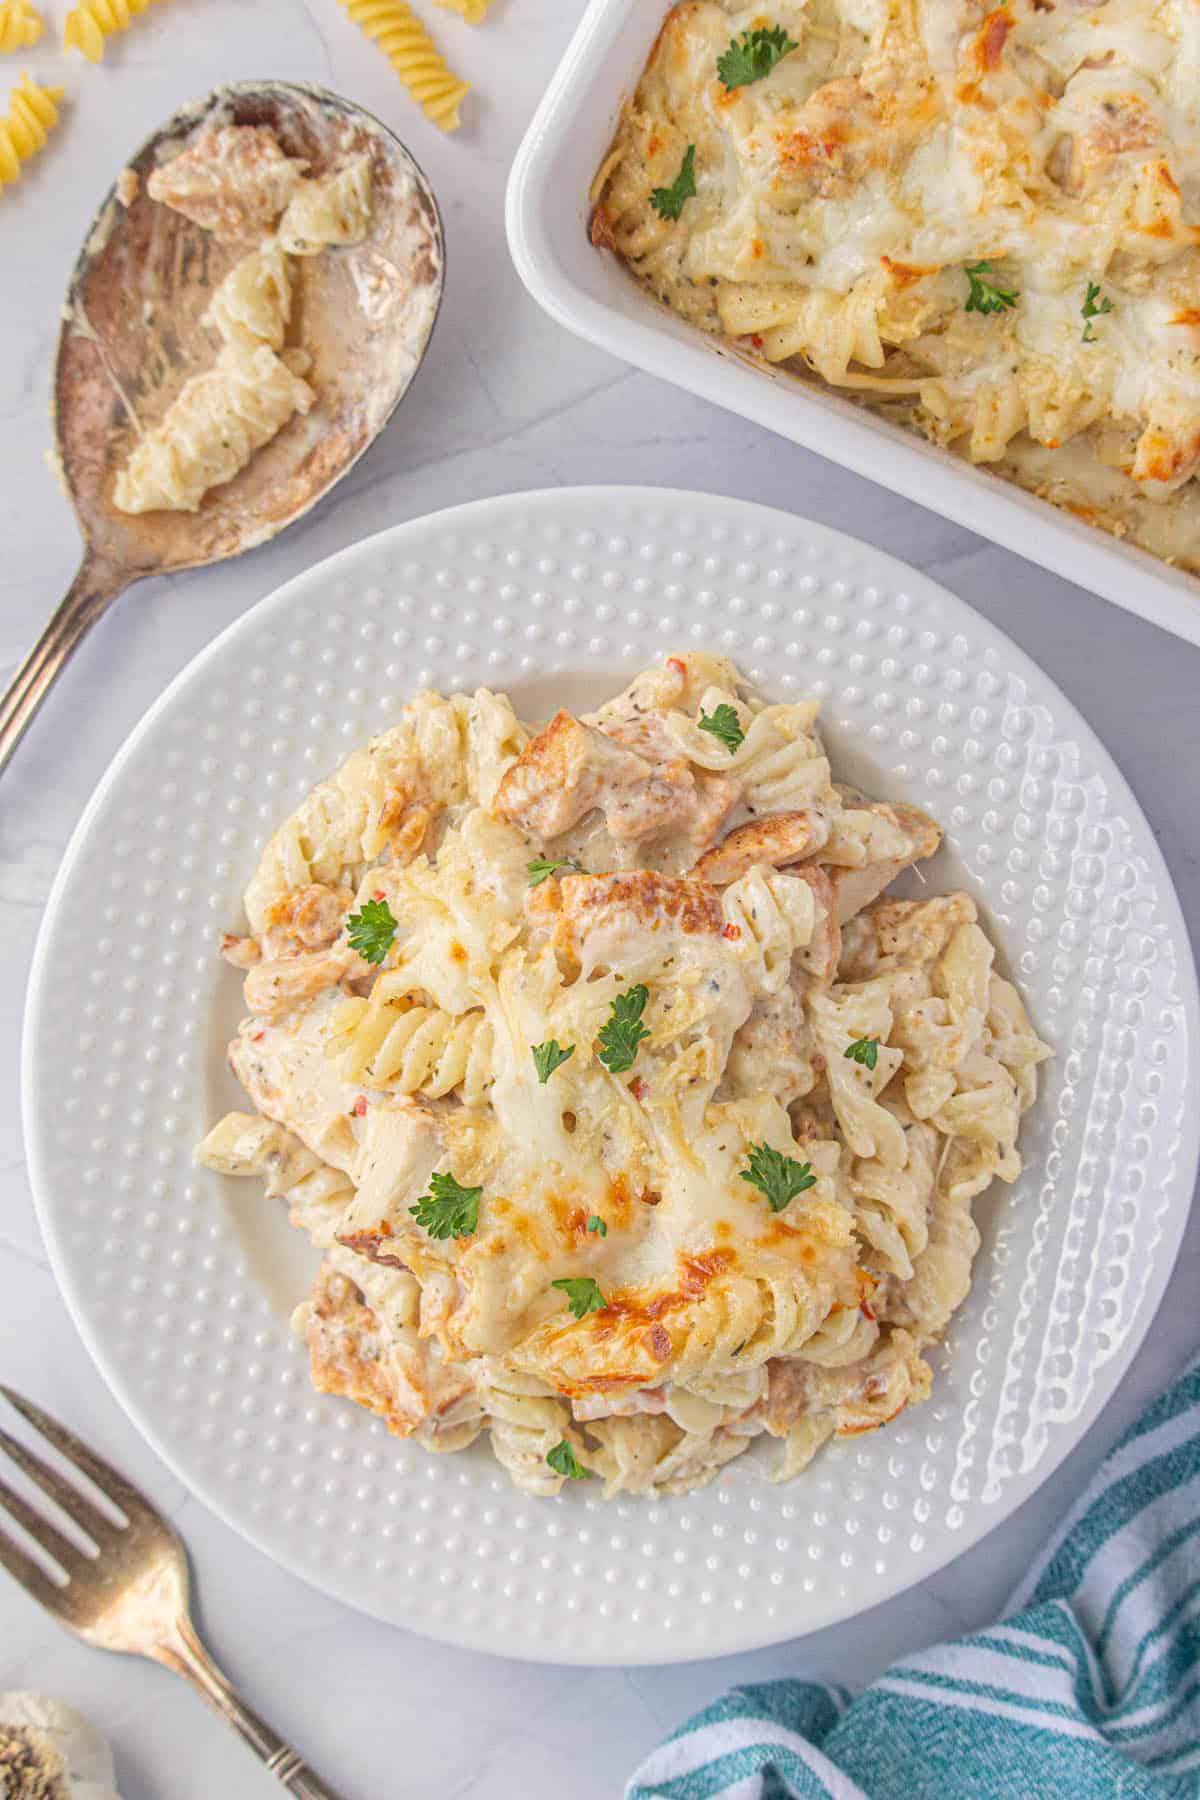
20,25
414,56
643,1123
473,11
89,23
32,112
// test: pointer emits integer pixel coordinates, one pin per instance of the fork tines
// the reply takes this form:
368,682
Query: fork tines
84,1512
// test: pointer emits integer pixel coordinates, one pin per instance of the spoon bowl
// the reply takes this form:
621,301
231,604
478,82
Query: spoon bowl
132,334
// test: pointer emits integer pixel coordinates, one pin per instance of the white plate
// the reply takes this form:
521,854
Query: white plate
182,1283
592,295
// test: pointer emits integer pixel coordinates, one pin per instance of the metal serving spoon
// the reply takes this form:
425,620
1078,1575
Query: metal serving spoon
131,335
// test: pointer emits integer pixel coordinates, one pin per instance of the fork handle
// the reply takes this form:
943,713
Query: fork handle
188,1657
91,593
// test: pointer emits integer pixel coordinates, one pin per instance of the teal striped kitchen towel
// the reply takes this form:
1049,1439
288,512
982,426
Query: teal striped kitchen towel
1089,1690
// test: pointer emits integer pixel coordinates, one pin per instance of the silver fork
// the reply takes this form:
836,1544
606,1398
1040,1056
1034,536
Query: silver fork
131,1592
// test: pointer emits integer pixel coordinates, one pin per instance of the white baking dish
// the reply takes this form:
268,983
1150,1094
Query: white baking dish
588,291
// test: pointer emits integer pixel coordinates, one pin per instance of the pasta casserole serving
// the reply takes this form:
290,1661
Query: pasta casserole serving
632,1118
979,219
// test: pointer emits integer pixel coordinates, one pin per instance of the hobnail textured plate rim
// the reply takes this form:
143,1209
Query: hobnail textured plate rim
743,1605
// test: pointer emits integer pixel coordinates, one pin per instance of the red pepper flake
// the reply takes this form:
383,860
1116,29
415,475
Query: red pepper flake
359,1109
637,1087
731,931
677,663
256,1037
866,1312
756,340
379,894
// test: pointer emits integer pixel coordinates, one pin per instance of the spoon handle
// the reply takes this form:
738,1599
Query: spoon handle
91,593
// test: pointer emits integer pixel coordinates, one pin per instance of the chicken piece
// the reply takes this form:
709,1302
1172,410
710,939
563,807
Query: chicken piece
902,934
665,798
399,1147
275,988
561,774
307,918
918,837
815,965
391,1372
859,1397
233,182
648,734
569,769
1106,113
289,1078
241,952
592,907
716,797
779,839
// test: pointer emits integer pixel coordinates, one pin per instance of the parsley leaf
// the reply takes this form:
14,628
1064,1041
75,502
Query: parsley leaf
724,724
596,1224
753,55
563,1461
448,1210
1092,308
777,1176
668,201
548,1057
619,1039
583,1294
371,931
984,297
542,867
864,1050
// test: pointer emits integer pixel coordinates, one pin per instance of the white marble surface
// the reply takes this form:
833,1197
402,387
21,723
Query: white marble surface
506,401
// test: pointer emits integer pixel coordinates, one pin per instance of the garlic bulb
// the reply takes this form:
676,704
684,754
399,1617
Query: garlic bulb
48,1751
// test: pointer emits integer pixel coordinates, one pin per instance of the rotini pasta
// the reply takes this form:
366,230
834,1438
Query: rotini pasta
412,1049
253,304
229,180
211,431
91,22
414,56
336,210
383,801
525,1422
1044,326
473,11
653,1455
32,113
621,1143
21,25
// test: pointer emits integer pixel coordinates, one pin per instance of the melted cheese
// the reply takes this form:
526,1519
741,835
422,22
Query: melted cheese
377,1078
840,200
